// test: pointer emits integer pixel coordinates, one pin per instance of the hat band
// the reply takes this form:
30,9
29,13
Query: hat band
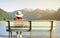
19,15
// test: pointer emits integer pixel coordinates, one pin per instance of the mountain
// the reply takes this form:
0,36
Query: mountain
57,14
30,14
39,14
44,14
25,13
4,15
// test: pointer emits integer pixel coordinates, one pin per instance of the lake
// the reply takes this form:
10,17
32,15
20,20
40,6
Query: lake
4,32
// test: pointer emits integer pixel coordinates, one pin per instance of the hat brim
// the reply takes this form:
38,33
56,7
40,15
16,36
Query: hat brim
21,15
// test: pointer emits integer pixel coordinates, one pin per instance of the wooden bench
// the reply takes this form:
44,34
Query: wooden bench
31,26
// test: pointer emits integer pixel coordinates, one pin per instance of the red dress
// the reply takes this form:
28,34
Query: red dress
18,18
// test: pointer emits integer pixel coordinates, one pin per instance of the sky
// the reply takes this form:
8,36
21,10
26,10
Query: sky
12,5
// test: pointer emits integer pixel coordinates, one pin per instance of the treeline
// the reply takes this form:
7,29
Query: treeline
4,15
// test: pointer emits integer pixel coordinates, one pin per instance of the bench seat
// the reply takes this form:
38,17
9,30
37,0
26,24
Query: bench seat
18,28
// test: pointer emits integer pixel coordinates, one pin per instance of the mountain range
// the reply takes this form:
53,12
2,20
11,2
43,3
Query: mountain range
39,14
36,14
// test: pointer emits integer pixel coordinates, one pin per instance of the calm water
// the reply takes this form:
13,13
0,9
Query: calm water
4,32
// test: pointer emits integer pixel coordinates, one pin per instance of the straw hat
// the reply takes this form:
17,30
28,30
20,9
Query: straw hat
19,14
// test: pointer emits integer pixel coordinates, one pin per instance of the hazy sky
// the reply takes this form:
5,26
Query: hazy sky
11,5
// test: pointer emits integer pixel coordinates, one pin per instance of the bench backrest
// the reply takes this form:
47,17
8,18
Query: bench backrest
18,25
43,25
34,25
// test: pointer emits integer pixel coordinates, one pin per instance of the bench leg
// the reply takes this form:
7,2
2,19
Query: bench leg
10,34
51,35
30,34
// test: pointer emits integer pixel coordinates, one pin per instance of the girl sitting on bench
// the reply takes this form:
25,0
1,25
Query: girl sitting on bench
19,16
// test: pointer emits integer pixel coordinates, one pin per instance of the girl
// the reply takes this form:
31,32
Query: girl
19,16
